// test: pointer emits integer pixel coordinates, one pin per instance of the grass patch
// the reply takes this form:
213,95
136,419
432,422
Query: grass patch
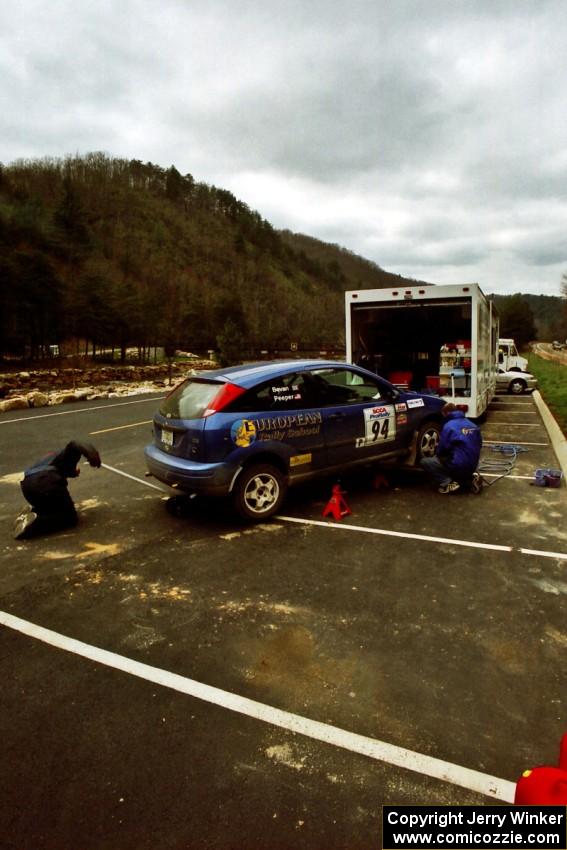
552,379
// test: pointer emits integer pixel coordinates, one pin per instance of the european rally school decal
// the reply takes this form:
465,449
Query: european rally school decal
379,426
243,432
284,427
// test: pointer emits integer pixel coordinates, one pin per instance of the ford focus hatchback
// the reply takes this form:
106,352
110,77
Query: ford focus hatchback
249,432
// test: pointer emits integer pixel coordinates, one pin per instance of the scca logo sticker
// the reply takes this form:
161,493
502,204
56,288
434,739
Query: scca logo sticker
378,412
243,432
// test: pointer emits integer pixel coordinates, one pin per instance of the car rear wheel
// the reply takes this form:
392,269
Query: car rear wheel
517,386
259,491
427,440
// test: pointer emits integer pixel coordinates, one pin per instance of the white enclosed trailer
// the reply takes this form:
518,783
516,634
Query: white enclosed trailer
438,339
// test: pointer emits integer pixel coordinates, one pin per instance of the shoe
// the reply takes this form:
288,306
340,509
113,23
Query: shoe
451,487
476,483
22,523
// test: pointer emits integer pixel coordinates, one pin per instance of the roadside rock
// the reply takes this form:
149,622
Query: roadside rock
22,390
37,399
17,403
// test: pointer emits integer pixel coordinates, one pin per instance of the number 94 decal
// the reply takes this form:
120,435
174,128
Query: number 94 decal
379,426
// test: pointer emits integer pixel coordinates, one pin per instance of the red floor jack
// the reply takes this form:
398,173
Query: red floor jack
336,506
544,786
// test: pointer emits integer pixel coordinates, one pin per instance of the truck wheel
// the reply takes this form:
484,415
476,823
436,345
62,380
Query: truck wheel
517,386
427,440
259,491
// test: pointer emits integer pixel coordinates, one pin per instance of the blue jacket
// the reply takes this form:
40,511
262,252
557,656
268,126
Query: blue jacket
460,443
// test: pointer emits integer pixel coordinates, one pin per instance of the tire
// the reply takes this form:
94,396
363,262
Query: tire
517,386
259,492
427,440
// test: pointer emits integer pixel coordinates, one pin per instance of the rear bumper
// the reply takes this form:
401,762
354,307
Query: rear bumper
211,479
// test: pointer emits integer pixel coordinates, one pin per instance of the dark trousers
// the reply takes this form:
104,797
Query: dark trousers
52,504
439,474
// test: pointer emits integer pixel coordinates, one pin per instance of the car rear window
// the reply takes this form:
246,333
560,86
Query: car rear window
190,399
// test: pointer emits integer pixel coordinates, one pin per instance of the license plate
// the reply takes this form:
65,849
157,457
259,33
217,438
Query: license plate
167,437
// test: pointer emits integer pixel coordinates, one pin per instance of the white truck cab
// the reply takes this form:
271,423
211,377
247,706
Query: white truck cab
508,358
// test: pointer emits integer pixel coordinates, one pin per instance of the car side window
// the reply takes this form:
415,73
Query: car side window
343,386
290,392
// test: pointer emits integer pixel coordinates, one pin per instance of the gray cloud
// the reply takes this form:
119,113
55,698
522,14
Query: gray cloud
428,136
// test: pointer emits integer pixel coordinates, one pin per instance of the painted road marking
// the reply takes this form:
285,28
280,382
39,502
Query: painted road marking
494,547
472,780
509,443
504,475
121,427
80,410
134,478
381,531
515,424
471,544
558,555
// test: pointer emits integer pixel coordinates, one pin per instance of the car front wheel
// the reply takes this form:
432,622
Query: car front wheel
258,492
517,386
427,440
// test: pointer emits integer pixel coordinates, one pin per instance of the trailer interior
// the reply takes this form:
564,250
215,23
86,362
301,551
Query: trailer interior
415,345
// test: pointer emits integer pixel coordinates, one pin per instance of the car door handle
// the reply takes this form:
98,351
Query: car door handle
336,416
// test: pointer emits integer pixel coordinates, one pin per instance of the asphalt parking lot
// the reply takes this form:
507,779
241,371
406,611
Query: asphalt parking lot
183,682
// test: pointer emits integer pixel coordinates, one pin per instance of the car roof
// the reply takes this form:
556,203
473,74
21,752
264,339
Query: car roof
248,374
513,373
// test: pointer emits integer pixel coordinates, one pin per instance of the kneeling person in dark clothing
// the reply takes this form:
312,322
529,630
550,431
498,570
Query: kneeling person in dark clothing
45,488
458,453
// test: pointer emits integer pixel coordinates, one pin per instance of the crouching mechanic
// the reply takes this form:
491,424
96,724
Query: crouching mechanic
458,453
45,488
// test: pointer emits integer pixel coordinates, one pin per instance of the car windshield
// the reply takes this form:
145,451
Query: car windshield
190,399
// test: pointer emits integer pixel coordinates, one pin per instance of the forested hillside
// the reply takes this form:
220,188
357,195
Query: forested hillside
119,253
357,271
529,317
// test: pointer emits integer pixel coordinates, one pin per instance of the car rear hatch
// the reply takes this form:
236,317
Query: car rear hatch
179,424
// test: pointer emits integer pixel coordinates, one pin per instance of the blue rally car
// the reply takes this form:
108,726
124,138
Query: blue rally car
251,431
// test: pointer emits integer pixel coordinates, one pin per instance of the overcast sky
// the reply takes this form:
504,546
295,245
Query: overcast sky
429,136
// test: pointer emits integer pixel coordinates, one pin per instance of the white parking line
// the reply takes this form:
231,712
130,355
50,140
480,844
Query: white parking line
515,424
510,443
135,478
480,783
471,544
405,534
79,410
121,427
515,477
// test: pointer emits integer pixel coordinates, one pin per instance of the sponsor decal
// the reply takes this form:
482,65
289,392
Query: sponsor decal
289,427
379,426
295,420
378,412
401,407
300,460
415,402
401,419
243,432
